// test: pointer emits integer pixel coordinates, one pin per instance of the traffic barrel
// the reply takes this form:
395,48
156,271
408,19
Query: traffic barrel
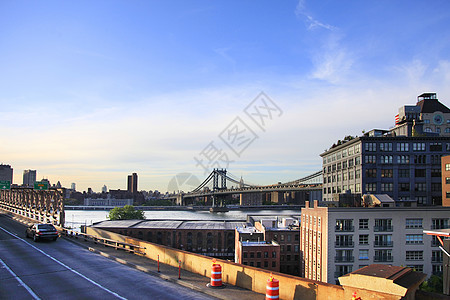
272,288
216,275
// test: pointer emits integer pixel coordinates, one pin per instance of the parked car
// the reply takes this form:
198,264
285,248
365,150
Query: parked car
42,231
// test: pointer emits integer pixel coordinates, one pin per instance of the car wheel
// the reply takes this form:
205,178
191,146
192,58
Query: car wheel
35,238
26,234
54,239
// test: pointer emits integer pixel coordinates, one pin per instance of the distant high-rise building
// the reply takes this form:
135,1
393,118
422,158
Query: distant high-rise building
73,186
29,177
6,172
132,183
104,189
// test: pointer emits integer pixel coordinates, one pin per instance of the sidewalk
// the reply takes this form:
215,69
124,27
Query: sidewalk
188,279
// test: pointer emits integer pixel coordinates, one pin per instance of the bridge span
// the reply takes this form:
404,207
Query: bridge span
215,186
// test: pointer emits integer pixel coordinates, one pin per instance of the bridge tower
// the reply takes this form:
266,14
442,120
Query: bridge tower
222,173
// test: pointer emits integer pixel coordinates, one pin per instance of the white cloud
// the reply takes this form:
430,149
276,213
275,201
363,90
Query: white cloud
310,21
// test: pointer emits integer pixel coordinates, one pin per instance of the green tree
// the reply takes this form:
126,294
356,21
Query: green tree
128,212
434,284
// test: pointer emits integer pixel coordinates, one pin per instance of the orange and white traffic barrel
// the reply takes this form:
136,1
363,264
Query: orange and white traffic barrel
272,288
216,275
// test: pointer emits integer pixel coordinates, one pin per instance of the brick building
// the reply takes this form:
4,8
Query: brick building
211,238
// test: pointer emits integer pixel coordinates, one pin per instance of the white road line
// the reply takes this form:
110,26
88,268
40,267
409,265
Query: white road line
20,281
65,266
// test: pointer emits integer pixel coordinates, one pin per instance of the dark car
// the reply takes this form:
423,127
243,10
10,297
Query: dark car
42,231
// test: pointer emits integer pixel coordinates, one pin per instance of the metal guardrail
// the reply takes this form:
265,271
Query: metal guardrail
104,241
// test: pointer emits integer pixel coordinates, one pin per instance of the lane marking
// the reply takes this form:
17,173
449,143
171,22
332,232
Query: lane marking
20,280
65,266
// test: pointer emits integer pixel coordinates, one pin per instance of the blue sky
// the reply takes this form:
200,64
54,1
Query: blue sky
92,91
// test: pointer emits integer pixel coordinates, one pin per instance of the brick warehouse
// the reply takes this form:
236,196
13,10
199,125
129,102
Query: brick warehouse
211,238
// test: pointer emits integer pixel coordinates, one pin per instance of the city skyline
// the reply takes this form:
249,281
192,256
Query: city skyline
92,92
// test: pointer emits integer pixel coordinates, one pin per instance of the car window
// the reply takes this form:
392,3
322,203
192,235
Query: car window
46,227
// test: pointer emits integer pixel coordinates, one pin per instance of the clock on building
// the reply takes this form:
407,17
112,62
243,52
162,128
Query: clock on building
438,119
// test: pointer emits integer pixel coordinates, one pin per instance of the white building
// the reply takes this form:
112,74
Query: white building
338,240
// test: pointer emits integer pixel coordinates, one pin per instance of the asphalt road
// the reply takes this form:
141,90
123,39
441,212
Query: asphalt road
64,270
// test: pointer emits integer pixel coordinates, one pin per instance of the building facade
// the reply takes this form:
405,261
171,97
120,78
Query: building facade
260,254
6,173
132,185
403,162
338,240
405,168
445,167
29,177
211,238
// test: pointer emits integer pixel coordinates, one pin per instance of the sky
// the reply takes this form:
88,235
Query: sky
92,91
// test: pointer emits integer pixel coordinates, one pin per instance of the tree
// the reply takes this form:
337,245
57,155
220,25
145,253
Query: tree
128,212
434,284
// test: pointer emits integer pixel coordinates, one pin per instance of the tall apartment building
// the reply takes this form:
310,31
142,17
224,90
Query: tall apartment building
132,183
6,173
404,162
339,240
29,177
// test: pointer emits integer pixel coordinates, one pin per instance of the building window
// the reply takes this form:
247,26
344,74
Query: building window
435,172
371,173
403,159
371,187
402,147
386,159
344,225
370,147
386,147
436,147
363,223
420,159
383,240
439,223
403,173
358,188
387,187
383,225
350,151
370,159
357,160
274,264
383,255
414,239
417,268
413,223
420,187
387,173
364,239
418,146
363,254
420,173
403,187
436,187
274,254
436,256
258,254
447,167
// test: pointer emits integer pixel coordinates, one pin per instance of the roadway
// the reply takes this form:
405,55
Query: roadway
64,270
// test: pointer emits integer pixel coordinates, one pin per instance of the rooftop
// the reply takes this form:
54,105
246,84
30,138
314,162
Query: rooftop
171,224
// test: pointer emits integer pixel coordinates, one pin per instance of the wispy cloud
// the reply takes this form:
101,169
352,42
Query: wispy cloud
310,21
